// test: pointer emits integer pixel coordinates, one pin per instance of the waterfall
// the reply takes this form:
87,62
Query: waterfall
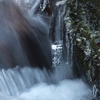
27,83
16,80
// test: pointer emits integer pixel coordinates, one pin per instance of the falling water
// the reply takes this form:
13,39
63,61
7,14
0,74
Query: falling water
34,84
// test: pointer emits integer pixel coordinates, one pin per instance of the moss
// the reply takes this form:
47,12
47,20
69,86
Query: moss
84,24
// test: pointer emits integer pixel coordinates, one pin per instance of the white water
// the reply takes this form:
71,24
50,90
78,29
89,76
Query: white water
34,84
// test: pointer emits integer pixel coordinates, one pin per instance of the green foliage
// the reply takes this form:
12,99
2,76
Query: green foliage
82,19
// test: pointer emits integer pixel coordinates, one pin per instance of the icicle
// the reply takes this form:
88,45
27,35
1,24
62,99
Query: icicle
60,3
45,2
95,90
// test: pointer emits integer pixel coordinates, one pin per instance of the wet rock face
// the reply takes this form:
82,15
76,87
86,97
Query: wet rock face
82,22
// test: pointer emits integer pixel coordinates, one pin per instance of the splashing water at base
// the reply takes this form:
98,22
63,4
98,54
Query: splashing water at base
65,90
33,84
